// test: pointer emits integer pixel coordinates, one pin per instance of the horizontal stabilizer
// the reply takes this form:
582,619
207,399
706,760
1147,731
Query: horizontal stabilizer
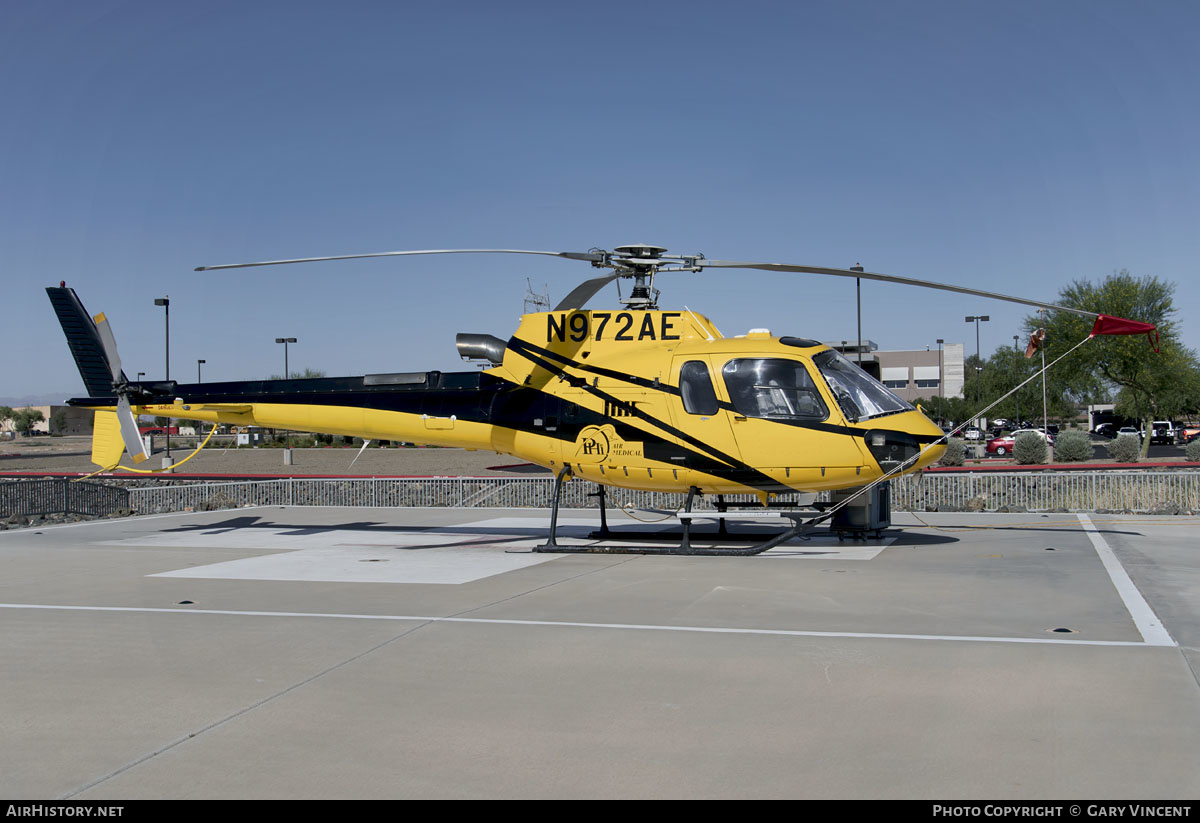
107,443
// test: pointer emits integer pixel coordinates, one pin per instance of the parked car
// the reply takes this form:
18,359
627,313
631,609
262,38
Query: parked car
1004,445
1162,432
1129,431
1187,433
972,433
1105,430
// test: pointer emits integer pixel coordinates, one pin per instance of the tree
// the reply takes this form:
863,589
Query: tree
1005,370
23,419
1149,386
944,410
307,374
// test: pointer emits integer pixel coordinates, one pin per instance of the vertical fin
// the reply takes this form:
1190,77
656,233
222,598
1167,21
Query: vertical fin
84,340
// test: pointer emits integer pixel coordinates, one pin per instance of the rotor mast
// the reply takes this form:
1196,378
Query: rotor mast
640,262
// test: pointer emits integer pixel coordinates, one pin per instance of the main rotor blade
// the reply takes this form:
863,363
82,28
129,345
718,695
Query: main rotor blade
585,291
887,278
588,257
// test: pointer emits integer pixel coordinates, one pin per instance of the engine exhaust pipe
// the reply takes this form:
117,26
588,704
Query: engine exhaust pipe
480,347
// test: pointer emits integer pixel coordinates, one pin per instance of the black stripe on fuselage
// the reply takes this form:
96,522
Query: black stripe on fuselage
470,397
724,465
522,347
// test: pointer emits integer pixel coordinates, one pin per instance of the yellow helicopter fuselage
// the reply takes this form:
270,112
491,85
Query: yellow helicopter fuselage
641,399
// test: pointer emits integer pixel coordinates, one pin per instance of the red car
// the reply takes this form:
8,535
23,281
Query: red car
1004,445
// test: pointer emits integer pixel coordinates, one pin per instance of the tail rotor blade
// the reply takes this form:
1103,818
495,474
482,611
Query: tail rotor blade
109,343
134,446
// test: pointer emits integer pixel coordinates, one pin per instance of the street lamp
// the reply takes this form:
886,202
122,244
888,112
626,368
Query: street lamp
285,341
199,363
165,302
287,451
979,360
141,374
941,370
858,306
1017,396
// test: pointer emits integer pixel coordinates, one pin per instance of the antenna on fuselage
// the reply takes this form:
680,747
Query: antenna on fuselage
535,302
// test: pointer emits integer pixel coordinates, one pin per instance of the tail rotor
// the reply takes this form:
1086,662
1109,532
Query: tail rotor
132,438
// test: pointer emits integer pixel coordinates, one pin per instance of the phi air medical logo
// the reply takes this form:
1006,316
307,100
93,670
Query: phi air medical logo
596,444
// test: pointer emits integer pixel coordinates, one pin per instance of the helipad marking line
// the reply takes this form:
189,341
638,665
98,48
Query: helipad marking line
1147,622
575,625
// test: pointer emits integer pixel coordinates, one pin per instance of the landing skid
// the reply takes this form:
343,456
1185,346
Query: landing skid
802,524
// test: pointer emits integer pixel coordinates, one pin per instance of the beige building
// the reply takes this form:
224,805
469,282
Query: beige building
912,375
55,420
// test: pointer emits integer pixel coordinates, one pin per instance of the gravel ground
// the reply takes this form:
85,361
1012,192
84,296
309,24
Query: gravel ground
73,454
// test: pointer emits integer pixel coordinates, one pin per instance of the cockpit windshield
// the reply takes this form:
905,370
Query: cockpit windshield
859,395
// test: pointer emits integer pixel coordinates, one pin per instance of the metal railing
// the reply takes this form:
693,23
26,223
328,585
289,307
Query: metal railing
1032,491
1044,491
59,495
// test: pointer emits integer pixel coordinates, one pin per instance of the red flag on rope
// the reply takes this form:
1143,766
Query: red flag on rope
1106,324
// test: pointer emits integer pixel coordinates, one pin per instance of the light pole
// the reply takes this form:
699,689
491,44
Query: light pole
141,374
941,370
287,451
285,341
1045,416
199,363
858,305
165,302
941,381
978,360
1017,396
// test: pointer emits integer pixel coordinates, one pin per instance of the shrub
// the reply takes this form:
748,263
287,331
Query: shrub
1192,452
1029,448
1124,449
1073,446
955,453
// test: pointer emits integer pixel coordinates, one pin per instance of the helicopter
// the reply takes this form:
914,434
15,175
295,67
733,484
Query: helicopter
635,397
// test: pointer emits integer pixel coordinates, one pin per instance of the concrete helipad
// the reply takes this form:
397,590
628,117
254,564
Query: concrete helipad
308,652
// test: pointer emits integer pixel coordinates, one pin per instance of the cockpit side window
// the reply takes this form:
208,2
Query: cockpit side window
696,388
773,388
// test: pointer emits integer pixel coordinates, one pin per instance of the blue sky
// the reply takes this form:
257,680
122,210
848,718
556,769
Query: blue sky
1011,146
